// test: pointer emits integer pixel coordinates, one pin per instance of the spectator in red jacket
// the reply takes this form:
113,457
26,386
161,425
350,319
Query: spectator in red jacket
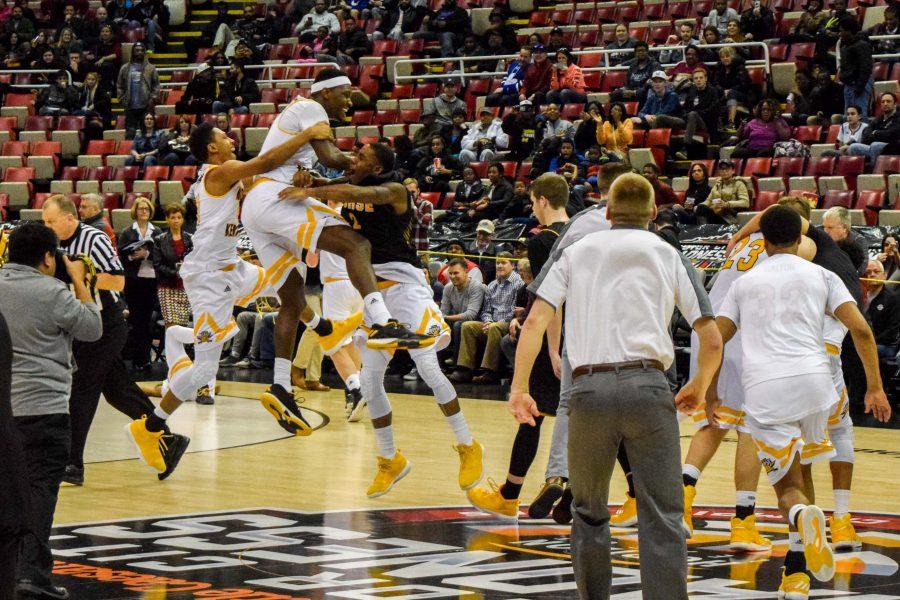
566,80
664,194
537,80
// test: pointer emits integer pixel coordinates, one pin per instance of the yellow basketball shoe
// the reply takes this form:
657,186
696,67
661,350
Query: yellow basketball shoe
626,516
283,407
341,331
149,444
471,464
794,586
819,556
390,471
746,538
492,502
843,534
690,492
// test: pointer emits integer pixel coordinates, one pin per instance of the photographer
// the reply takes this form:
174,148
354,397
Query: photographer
44,318
100,365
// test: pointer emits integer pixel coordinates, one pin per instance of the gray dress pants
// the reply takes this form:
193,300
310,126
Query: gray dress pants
634,406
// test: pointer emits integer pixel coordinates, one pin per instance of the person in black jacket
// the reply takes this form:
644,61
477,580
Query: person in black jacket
134,250
437,168
59,98
883,310
238,92
95,105
352,43
731,76
702,108
856,67
400,17
758,21
499,195
168,252
449,24
200,93
882,136
485,250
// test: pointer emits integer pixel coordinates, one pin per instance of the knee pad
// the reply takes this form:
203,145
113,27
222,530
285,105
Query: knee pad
176,339
430,371
186,377
371,379
842,439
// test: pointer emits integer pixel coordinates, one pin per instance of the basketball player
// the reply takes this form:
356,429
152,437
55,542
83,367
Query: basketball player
379,207
282,232
216,280
780,307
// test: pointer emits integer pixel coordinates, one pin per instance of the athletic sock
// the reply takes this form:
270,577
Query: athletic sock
792,514
321,326
156,421
690,474
841,502
282,373
353,382
745,504
629,479
460,428
794,560
375,311
510,490
384,437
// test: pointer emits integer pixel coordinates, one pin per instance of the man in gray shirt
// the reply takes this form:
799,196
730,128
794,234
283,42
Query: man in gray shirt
44,318
462,300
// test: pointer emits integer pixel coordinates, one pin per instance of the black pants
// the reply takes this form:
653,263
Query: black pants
100,369
133,119
45,441
141,296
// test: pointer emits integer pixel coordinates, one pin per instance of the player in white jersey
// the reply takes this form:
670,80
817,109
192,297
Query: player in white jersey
282,232
780,307
216,280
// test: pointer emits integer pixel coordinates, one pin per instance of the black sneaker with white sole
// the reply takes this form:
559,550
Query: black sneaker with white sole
173,449
229,361
26,588
281,404
394,334
355,405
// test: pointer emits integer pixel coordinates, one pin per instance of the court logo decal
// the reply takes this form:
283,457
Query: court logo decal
414,554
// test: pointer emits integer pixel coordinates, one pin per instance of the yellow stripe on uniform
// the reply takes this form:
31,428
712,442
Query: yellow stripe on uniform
832,349
182,363
835,417
260,284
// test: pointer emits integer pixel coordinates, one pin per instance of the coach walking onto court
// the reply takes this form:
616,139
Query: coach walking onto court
621,287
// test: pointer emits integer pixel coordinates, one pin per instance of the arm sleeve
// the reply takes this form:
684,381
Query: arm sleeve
838,293
473,305
162,268
82,320
690,295
104,256
468,141
555,286
502,139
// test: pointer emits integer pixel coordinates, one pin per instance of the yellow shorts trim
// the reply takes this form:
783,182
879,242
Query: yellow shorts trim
832,350
182,363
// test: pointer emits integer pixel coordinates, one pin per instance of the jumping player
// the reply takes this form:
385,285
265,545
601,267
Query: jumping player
379,207
283,232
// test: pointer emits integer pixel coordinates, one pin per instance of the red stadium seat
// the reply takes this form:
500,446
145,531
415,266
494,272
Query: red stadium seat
386,117
402,90
156,173
802,52
808,134
111,201
509,168
820,166
614,80
265,119
757,167
240,121
787,166
14,149
658,138
17,174
410,116
362,117
345,144
480,168
99,174
562,17
885,165
73,173
425,90
870,202
70,123
38,123
838,198
124,147
101,147
524,171
766,199
849,167
627,13
833,132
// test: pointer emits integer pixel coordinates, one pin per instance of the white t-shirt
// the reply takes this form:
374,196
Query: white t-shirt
780,307
299,115
621,287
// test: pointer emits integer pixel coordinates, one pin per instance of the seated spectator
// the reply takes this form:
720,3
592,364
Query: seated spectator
719,16
622,41
837,224
352,43
616,133
66,43
537,79
200,92
664,195
153,17
247,27
455,132
146,143
18,23
468,191
728,196
497,311
799,108
48,61
238,92
462,300
421,139
586,128
640,69
521,126
422,217
449,24
566,81
519,209
484,139
826,96
173,146
734,35
446,102
710,37
697,193
508,92
457,250
59,98
75,67
890,26
889,257
90,212
554,125
856,66
316,18
400,19
731,76
485,249
497,25
685,38
168,252
851,131
471,47
702,106
661,108
758,136
106,54
682,74
883,134
758,22
94,104
882,310
497,196
437,168
808,26
567,162
224,124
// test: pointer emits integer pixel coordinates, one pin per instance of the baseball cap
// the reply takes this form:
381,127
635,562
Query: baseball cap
538,48
202,67
556,30
525,103
726,163
659,75
485,225
485,110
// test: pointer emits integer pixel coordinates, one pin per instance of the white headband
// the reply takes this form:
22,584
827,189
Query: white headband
329,83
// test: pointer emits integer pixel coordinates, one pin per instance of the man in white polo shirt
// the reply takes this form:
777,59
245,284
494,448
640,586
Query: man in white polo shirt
621,287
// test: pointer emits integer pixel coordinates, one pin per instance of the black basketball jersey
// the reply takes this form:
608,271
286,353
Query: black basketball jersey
389,233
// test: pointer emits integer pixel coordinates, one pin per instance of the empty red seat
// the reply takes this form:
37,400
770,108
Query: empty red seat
156,173
186,174
239,121
101,147
410,116
757,167
16,174
870,202
838,198
38,123
99,174
73,173
820,166
265,119
385,117
787,166
111,201
766,199
480,168
362,117
70,123
14,149
885,165
808,134
614,80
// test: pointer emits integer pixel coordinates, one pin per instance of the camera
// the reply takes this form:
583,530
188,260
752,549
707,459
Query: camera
63,275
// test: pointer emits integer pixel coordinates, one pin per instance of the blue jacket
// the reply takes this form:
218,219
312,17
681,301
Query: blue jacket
654,105
515,74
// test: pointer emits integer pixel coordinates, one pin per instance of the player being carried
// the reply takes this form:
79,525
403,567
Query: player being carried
282,232
379,207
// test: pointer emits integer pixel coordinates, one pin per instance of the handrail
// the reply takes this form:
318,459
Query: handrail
264,67
462,74
31,71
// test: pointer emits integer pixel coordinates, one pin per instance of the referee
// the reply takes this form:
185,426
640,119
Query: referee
621,287
99,365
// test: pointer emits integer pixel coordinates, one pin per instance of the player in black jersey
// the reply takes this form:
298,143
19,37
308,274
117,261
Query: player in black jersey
379,207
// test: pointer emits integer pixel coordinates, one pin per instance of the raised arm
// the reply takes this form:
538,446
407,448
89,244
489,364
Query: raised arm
388,193
752,226
330,155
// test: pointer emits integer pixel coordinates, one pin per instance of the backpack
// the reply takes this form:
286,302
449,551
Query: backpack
792,148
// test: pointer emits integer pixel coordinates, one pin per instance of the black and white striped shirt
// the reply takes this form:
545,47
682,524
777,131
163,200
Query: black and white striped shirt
96,245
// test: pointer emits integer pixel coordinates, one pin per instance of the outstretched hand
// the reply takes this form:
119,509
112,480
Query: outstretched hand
877,404
523,407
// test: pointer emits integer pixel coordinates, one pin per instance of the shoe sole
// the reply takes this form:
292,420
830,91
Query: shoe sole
628,523
543,504
339,343
175,459
397,344
356,414
137,447
396,480
288,422
38,592
792,595
466,488
819,556
748,547
494,514
847,545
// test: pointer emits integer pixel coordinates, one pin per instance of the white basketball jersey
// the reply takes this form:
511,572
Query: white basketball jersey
750,254
215,241
299,115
